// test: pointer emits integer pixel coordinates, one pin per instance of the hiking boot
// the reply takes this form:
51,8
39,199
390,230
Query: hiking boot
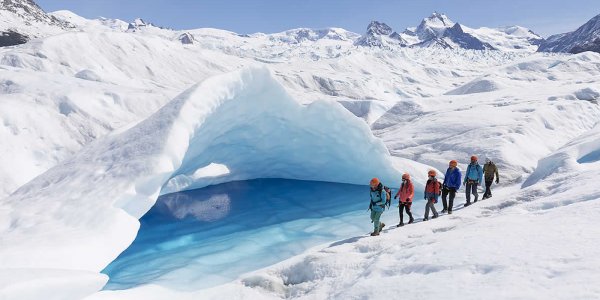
425,219
434,217
381,226
467,204
444,211
374,233
400,224
411,221
449,212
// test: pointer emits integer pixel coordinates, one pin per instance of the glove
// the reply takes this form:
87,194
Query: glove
464,183
497,181
396,197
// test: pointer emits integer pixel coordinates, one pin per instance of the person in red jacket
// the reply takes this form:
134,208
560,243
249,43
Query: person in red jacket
432,192
406,194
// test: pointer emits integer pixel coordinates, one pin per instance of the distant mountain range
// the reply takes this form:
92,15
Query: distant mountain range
585,38
438,30
22,20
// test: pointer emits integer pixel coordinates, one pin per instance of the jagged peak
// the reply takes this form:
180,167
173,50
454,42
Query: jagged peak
139,21
438,20
380,34
457,28
379,28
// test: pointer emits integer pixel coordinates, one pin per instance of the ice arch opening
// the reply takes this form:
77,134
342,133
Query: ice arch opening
256,130
242,120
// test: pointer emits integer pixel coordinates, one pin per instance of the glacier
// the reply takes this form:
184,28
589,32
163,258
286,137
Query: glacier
78,110
244,120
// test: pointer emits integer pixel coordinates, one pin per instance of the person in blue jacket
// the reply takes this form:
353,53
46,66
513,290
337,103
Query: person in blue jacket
473,178
451,185
379,197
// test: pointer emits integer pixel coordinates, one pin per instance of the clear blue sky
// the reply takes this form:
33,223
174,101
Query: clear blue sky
545,17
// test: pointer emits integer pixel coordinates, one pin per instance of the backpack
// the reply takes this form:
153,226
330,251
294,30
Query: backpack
435,182
388,195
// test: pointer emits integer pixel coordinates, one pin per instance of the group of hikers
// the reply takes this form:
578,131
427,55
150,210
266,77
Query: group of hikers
474,176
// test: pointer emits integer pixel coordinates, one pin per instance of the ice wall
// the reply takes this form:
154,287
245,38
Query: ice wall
256,130
82,213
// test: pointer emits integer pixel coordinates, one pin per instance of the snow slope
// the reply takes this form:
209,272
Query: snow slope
243,120
84,85
514,114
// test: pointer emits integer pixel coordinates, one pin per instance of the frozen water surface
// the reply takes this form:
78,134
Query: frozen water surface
200,238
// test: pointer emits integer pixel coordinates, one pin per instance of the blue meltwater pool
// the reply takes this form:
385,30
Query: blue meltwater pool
202,238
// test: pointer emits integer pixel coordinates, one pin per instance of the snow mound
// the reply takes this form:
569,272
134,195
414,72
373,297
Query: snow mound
580,156
9,87
587,94
242,120
476,86
88,75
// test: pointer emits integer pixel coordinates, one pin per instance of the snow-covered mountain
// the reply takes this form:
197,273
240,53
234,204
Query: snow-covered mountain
585,38
440,31
380,35
23,20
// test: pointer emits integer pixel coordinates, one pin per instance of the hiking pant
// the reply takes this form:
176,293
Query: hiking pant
471,188
375,215
445,193
405,206
430,205
488,189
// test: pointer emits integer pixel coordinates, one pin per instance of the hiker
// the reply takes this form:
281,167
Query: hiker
406,194
450,186
473,178
380,196
489,171
432,192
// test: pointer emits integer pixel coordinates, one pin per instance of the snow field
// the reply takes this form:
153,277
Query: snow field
515,126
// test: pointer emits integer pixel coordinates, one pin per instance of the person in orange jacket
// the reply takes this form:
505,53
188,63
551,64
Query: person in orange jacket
406,194
432,192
